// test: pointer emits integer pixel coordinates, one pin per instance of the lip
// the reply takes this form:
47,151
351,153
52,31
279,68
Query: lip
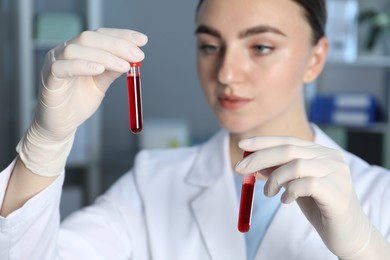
232,102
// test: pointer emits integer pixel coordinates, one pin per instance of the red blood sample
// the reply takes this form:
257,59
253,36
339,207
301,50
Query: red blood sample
135,100
246,202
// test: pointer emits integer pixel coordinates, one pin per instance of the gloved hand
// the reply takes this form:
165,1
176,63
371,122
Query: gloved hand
318,179
74,79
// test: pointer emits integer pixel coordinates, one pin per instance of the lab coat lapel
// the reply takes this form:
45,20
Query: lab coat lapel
287,234
215,208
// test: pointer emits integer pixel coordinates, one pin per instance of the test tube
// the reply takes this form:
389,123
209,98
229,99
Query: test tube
134,94
246,202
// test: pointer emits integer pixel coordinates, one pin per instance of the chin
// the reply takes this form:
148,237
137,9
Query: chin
236,123
234,126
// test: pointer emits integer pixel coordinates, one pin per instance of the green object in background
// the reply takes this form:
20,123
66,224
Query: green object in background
378,21
57,27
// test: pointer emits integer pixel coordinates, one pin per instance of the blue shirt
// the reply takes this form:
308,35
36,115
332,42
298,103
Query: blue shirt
263,211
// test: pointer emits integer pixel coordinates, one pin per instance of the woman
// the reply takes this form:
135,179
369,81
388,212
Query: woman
254,57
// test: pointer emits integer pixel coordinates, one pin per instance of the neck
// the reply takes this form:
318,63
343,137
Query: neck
294,123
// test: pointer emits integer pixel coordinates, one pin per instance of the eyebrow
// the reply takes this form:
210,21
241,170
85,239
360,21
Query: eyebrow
249,32
207,30
261,29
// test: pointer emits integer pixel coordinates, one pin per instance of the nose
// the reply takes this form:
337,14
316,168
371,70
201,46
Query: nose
231,67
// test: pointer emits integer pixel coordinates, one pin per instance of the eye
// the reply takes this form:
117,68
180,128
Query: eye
262,49
209,49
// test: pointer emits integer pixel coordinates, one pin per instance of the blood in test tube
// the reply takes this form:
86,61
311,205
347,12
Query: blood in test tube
134,94
246,202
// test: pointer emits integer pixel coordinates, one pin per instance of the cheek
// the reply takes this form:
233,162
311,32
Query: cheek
289,72
205,79
279,82
278,99
279,86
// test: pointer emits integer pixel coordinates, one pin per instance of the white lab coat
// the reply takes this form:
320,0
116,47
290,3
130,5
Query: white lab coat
176,204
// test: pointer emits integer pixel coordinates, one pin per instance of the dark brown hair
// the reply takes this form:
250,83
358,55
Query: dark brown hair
315,13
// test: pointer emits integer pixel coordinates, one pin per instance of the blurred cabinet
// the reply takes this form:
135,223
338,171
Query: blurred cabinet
85,155
367,74
351,68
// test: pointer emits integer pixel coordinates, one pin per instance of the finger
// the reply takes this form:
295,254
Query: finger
265,172
279,155
324,193
120,47
294,170
108,60
306,187
137,38
308,178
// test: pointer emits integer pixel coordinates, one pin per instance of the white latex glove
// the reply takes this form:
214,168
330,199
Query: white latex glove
74,80
318,179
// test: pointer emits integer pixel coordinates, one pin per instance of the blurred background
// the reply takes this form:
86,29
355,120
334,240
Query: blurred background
350,101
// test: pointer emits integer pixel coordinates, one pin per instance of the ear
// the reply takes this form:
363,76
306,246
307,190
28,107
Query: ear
317,60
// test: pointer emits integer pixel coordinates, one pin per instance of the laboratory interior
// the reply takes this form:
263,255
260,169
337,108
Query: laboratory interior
350,100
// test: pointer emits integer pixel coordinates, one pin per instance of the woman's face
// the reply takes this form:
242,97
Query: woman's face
253,57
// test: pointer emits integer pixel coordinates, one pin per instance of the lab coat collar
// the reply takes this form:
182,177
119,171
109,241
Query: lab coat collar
209,167
215,207
322,139
287,235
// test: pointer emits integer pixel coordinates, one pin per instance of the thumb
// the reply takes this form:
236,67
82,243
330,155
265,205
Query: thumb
64,69
67,69
60,71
